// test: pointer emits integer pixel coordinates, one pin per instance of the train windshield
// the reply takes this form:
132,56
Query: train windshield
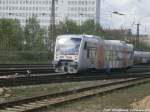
68,46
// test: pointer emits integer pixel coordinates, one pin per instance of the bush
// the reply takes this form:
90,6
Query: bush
25,57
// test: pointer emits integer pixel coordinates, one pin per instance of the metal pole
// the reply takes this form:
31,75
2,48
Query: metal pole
138,36
98,13
129,36
52,26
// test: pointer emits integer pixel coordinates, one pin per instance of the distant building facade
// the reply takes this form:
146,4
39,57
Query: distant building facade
77,10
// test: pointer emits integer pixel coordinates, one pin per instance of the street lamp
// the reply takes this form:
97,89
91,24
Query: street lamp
118,13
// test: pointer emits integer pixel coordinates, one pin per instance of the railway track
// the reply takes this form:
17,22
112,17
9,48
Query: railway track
23,65
44,68
25,69
44,75
61,78
42,102
28,69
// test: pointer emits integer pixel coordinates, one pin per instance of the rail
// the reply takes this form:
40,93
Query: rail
43,101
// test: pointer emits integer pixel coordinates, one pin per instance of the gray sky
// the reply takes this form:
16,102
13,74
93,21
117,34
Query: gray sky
136,11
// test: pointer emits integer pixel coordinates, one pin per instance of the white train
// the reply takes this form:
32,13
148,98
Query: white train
75,53
141,57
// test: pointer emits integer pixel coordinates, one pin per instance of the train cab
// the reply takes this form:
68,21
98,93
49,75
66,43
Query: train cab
67,52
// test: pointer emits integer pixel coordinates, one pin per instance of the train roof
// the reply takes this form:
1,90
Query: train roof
69,36
141,51
115,42
93,37
79,36
130,45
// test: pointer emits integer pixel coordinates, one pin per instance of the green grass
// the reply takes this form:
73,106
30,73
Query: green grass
120,99
35,90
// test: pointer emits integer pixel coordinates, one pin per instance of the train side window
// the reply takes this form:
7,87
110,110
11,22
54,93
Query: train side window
85,45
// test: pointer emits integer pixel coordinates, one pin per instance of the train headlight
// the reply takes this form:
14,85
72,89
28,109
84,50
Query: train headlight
76,58
76,63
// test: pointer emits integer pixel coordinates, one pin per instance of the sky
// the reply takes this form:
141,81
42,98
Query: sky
135,11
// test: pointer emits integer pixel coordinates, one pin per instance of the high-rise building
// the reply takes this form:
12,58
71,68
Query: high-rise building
77,10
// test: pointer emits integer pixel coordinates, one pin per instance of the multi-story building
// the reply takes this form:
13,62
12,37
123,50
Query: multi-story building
77,10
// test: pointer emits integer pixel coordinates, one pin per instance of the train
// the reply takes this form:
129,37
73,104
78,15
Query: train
141,57
77,53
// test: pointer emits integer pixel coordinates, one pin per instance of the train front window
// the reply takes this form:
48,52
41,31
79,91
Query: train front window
67,46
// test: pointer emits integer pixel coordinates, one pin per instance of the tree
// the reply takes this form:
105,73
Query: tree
116,34
71,27
10,34
34,35
89,27
67,27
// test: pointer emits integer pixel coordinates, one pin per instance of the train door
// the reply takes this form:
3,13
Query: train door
125,65
92,54
101,56
88,55
107,56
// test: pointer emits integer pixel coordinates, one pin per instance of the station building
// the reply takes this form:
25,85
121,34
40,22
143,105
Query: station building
77,10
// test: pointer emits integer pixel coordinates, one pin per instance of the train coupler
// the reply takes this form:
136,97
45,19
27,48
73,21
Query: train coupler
66,67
